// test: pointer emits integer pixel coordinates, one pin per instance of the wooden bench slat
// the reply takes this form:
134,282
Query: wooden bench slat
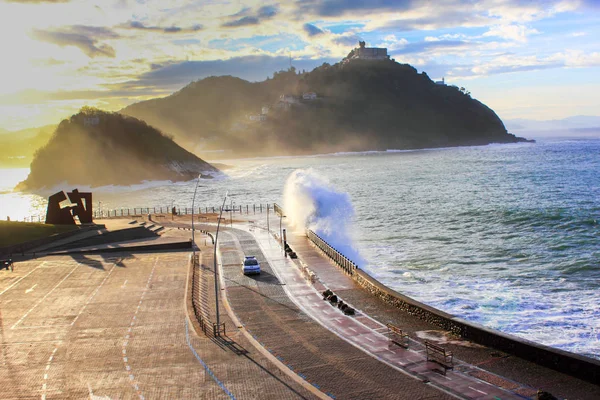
396,336
439,355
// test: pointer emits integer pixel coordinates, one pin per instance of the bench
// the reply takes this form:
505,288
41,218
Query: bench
396,336
439,355
8,263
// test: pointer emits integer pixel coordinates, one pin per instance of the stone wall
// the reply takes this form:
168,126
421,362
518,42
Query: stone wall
573,364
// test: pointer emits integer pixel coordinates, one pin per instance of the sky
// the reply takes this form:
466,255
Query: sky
523,58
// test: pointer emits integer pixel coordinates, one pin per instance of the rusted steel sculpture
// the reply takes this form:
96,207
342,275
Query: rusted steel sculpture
55,214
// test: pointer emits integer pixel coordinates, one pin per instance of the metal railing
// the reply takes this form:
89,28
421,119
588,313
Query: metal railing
141,211
203,320
341,260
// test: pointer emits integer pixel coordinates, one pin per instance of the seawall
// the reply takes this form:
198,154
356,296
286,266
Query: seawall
573,364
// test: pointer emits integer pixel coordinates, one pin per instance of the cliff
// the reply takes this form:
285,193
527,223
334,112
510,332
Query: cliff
361,105
97,148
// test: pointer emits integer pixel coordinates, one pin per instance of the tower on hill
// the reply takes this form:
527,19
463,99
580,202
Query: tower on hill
367,53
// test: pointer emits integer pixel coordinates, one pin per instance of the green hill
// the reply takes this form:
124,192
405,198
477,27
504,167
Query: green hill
360,105
97,148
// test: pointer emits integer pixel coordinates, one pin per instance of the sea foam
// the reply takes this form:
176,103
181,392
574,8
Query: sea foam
311,202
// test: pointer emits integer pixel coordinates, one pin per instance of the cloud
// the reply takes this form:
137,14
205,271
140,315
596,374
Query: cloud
347,40
312,30
34,96
510,63
137,25
517,33
334,8
47,62
85,38
249,18
251,68
267,12
37,1
429,45
244,21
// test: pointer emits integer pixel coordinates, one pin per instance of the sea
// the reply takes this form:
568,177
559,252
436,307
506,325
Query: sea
507,236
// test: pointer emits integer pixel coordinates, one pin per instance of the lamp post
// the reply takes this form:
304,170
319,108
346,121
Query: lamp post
215,266
231,212
193,230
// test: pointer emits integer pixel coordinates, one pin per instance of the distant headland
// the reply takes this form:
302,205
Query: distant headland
97,148
365,102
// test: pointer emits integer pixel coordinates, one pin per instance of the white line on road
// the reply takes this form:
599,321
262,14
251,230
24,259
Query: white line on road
43,298
472,388
31,289
128,368
30,272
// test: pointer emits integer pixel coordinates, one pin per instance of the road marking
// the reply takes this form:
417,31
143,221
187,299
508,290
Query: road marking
43,298
221,385
58,344
30,272
94,294
31,289
128,335
477,390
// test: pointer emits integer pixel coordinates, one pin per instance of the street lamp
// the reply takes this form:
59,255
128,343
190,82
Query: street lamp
215,264
193,230
231,212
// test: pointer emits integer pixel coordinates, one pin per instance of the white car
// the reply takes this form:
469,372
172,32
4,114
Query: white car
250,266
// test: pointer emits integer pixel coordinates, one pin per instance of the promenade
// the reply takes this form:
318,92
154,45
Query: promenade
114,322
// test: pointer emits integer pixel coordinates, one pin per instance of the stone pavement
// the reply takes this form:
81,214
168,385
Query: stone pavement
334,366
115,327
495,375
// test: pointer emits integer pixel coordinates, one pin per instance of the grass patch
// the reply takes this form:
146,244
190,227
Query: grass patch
20,232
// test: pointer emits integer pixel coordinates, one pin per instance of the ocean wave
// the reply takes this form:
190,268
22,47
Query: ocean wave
312,202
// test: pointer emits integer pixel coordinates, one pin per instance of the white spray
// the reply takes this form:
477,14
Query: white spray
310,201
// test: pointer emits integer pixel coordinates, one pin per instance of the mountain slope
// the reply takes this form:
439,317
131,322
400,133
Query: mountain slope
18,147
361,105
96,148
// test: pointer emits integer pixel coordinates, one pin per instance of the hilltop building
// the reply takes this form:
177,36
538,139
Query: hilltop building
367,53
442,82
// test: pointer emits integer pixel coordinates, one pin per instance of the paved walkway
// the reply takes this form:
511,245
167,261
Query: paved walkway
480,372
331,364
360,331
114,326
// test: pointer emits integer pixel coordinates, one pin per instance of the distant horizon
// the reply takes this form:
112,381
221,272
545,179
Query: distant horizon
537,60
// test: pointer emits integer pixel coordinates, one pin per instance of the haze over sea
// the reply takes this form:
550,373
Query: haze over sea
507,236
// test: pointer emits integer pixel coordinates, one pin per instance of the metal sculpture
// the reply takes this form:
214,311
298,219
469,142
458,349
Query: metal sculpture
57,215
